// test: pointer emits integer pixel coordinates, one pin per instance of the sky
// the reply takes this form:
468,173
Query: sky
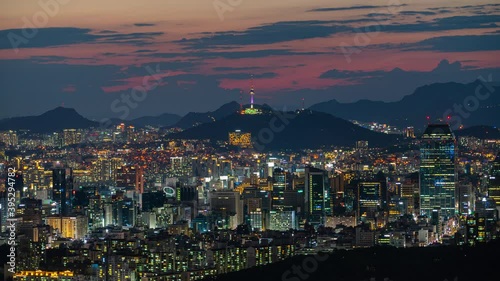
128,58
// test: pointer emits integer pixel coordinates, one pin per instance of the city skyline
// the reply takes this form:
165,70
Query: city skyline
201,56
249,140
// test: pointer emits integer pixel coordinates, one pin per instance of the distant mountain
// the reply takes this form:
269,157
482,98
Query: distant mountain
196,118
166,119
436,101
53,120
306,129
481,132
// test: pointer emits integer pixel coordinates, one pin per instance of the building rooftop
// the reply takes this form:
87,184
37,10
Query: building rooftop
437,130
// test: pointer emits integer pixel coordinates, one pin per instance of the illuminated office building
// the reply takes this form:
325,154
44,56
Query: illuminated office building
243,140
409,132
369,201
317,195
282,220
229,206
104,169
279,187
361,144
131,176
71,136
40,275
494,187
409,192
438,175
69,227
466,199
9,138
62,187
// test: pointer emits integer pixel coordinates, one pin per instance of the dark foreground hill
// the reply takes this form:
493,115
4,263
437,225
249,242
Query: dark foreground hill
395,264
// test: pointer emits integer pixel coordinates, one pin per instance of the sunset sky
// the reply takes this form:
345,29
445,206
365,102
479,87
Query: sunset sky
86,54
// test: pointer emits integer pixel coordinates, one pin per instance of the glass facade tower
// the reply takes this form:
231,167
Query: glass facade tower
438,175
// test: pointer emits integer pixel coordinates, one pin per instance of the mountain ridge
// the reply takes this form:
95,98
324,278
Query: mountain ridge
306,129
436,100
56,119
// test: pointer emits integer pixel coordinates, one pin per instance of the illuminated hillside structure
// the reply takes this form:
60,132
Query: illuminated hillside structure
243,140
252,110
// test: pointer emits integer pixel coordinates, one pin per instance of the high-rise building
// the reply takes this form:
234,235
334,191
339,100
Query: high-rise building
369,201
282,220
279,187
71,136
466,199
108,214
438,174
361,144
69,227
31,211
409,132
317,195
95,212
229,206
409,191
494,187
104,169
238,138
35,179
124,212
4,212
131,176
9,138
62,187
486,217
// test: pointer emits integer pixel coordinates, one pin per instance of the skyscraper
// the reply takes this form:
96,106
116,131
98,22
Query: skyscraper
62,186
317,195
279,186
438,174
70,136
369,201
494,187
130,176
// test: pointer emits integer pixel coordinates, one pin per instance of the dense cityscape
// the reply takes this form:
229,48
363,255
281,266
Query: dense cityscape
238,140
126,203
